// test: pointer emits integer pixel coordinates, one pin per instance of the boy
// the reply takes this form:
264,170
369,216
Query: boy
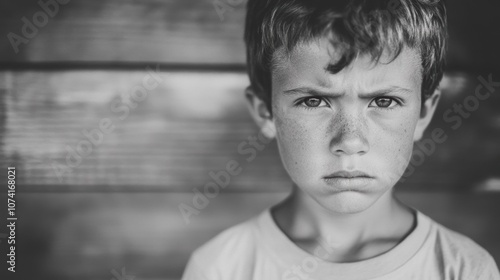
346,88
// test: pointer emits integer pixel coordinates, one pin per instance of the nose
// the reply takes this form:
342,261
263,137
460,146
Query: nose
349,135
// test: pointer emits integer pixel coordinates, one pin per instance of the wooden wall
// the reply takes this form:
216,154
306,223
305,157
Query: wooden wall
118,205
120,32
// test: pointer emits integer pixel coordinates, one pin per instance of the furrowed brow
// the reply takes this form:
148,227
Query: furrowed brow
309,91
386,91
379,92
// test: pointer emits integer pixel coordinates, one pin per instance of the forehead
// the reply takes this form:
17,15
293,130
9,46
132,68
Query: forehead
306,65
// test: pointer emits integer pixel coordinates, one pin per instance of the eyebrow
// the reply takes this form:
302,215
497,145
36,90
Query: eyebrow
378,92
307,90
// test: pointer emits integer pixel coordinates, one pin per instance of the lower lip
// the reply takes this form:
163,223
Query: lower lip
349,184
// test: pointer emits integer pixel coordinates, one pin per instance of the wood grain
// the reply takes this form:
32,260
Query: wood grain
188,126
188,31
192,32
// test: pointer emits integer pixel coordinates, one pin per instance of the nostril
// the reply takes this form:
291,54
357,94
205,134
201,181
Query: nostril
349,146
339,151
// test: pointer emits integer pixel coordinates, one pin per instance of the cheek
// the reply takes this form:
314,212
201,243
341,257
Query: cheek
298,144
392,144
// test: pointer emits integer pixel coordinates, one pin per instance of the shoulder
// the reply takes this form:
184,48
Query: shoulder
463,254
236,238
225,251
456,244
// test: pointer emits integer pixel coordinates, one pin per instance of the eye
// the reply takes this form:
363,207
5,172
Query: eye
384,102
313,102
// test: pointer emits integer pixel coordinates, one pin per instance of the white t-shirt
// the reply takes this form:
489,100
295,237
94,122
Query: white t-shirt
257,249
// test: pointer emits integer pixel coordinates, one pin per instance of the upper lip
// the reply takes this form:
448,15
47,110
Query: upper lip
349,174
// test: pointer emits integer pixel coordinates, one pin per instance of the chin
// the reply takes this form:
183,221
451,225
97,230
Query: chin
348,202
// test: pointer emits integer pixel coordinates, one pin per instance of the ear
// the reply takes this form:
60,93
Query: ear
260,113
426,113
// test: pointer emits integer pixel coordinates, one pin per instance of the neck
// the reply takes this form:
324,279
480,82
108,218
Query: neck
345,237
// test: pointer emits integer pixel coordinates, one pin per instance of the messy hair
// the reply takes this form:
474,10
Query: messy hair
361,26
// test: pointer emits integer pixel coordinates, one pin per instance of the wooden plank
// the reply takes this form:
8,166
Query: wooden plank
188,31
86,236
192,32
190,125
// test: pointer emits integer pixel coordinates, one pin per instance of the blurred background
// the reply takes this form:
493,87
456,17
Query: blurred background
112,112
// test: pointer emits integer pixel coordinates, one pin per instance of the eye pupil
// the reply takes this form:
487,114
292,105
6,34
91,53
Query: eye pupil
312,102
383,102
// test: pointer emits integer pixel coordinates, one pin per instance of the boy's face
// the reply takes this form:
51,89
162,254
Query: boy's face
346,138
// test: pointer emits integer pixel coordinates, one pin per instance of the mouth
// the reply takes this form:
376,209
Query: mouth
348,175
349,180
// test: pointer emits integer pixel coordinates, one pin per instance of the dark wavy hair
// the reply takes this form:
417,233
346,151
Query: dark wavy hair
361,26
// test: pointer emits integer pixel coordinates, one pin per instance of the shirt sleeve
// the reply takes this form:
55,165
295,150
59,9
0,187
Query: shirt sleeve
193,271
490,270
